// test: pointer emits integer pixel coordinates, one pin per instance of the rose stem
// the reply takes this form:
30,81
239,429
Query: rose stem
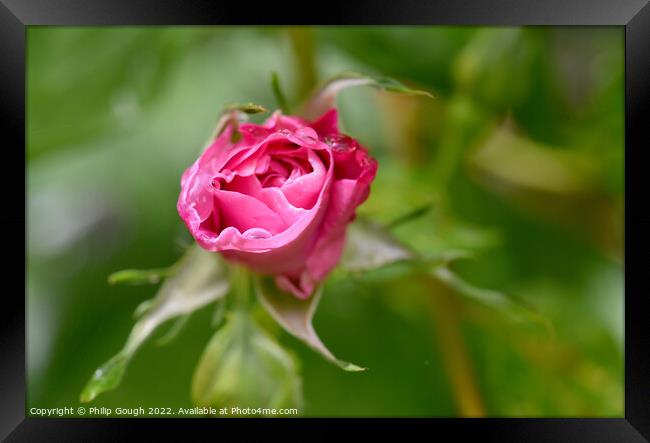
241,279
456,359
302,44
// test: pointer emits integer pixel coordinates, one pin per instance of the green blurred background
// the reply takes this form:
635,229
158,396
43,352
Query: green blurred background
520,156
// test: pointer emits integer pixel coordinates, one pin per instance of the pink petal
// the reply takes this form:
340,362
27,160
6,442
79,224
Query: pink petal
303,191
245,212
326,123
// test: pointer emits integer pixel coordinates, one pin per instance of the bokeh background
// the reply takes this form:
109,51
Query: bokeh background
519,156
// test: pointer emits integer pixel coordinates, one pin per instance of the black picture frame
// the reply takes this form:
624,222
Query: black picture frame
633,15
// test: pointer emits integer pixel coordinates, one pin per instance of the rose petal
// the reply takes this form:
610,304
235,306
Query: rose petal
303,191
245,212
327,123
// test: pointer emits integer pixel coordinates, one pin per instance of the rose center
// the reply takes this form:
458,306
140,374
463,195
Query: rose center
282,170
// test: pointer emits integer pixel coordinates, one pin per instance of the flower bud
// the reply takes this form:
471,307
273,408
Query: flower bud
242,368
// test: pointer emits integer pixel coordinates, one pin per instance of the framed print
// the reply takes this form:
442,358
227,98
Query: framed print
381,216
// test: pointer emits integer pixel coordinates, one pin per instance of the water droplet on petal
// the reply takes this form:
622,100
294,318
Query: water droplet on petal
364,160
256,234
341,143
309,139
254,131
307,134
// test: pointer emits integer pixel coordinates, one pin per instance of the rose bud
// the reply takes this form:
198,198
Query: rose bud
243,372
278,197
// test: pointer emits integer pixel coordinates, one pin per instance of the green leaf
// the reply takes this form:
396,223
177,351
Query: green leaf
219,314
233,113
143,307
325,97
246,108
108,376
138,276
198,279
295,316
242,366
176,328
392,85
409,216
280,98
369,246
499,301
445,258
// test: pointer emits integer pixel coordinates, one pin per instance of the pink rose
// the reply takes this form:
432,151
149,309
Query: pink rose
279,198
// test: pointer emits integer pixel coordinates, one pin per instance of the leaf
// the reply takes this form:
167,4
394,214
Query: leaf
233,113
246,108
392,85
446,258
198,279
176,328
506,304
108,376
295,316
143,307
138,276
242,366
218,315
369,246
325,97
409,216
280,98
